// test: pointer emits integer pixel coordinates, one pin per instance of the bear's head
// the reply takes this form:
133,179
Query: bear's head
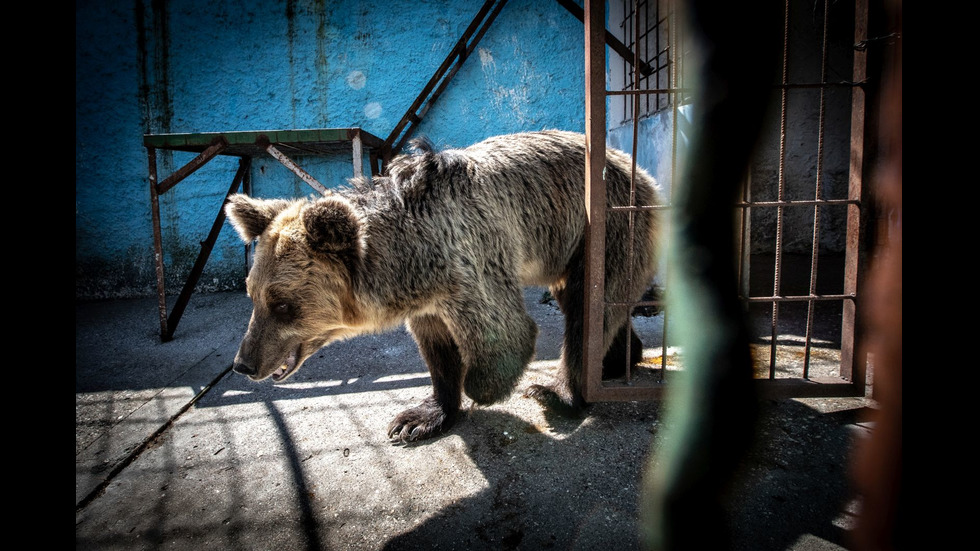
300,280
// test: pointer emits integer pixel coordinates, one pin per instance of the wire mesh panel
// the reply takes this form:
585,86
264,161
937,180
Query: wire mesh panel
799,215
646,27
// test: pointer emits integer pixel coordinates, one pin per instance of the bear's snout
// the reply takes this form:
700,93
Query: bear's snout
244,369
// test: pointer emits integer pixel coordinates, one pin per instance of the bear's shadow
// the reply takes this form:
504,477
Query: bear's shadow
577,487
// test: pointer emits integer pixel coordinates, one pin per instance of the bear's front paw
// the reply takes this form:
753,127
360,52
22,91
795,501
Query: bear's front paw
420,422
552,399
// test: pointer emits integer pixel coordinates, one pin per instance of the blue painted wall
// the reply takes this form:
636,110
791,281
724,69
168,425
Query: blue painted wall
149,66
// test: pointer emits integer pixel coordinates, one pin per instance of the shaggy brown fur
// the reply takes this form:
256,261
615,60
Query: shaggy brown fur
444,242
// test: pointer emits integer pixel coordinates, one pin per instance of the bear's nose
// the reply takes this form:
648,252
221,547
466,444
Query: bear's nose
244,369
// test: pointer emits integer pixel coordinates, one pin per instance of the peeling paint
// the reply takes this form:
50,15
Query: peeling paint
486,59
372,110
356,80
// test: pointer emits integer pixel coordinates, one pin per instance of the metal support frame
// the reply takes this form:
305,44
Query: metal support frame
168,324
853,361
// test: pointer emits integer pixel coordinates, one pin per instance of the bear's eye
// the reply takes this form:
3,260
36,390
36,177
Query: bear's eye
282,310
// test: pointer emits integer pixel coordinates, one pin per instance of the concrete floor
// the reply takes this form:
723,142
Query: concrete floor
173,451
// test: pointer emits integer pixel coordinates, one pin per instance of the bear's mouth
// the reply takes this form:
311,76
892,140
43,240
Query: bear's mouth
289,367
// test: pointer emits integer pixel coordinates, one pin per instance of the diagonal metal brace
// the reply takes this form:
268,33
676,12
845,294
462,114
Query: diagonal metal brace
217,146
288,163
202,258
450,66
611,40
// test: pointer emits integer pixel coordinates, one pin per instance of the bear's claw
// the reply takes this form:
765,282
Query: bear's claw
420,422
550,398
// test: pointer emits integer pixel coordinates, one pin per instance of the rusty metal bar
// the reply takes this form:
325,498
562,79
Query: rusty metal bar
780,194
788,387
206,247
631,232
636,303
784,298
673,42
801,298
780,86
656,47
663,347
669,51
595,198
818,191
151,154
745,236
646,91
637,208
217,146
799,203
815,387
288,163
853,363
788,86
626,62
609,38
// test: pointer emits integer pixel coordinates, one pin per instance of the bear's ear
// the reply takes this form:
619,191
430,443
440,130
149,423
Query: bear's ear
250,217
332,226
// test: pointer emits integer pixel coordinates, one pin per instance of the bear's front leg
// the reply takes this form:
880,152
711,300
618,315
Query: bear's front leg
439,411
564,395
496,337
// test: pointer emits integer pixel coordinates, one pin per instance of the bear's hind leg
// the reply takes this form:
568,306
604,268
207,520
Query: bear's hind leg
565,393
439,411
614,363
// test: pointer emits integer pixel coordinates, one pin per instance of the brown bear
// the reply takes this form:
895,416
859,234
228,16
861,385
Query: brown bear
444,242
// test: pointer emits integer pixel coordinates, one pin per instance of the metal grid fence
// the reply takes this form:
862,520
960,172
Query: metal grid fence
802,304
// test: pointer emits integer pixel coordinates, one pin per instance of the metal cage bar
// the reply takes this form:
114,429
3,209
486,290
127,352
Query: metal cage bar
650,51
595,198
